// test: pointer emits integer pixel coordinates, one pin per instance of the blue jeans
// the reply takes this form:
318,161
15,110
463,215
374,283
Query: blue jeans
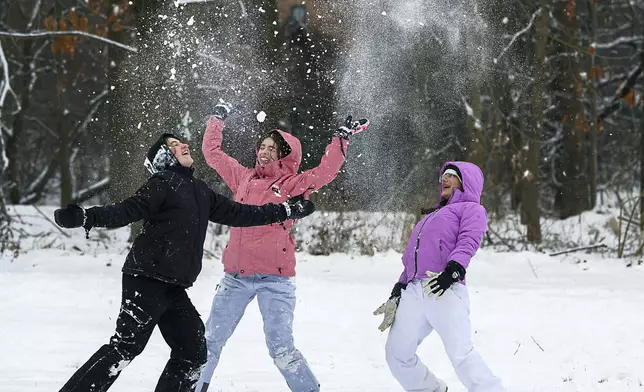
276,298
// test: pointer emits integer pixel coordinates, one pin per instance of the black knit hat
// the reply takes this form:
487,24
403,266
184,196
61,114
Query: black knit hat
159,156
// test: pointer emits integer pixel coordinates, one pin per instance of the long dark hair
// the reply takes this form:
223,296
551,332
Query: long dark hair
283,149
427,210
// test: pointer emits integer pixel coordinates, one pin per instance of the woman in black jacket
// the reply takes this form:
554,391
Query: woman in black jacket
165,259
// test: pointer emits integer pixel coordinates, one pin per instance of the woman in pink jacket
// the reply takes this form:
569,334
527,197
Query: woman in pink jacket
259,262
431,294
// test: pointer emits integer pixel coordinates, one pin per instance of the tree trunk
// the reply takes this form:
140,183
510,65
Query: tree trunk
6,235
64,163
62,129
641,153
530,193
642,169
121,173
573,195
13,151
476,143
592,132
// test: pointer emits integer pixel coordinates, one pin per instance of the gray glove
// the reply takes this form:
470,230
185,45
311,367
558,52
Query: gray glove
389,310
390,306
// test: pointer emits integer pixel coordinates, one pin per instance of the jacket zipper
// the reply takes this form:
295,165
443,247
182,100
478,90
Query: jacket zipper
199,208
420,232
241,229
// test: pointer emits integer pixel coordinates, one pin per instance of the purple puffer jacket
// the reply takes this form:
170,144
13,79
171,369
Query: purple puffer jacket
453,232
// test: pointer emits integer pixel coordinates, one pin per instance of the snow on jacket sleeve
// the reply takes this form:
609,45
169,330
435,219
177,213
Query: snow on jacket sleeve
144,203
227,167
228,212
473,226
314,179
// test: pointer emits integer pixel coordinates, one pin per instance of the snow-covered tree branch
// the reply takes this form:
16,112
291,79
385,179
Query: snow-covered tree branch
5,84
624,89
519,33
41,34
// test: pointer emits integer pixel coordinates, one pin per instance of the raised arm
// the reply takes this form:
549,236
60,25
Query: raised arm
331,162
324,173
227,167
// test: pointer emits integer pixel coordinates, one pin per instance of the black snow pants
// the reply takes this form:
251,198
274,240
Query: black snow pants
145,304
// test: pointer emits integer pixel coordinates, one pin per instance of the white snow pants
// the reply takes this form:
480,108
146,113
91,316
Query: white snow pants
417,316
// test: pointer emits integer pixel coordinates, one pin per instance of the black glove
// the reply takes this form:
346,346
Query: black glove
297,207
397,290
351,127
222,110
72,216
454,272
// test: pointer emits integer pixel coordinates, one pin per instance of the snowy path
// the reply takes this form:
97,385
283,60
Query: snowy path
542,324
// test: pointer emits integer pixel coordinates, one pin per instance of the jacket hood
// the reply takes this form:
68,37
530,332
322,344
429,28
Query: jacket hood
287,165
472,181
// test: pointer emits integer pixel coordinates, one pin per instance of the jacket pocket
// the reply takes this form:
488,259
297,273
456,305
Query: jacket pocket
460,291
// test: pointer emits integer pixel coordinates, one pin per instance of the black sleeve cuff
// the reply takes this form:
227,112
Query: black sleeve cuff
397,290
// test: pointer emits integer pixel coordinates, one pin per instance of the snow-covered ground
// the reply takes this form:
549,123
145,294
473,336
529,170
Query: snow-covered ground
542,323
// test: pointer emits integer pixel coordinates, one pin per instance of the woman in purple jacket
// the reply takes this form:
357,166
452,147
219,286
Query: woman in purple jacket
431,294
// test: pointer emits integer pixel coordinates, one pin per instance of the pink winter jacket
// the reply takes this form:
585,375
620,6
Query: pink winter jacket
267,249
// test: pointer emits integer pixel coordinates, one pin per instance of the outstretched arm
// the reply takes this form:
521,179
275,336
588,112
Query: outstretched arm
228,212
144,203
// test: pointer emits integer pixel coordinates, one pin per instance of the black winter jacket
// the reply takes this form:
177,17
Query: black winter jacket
176,208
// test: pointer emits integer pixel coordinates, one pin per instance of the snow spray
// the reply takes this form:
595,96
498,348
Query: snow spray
404,70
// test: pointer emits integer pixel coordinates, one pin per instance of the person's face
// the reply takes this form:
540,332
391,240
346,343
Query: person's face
267,152
448,183
181,151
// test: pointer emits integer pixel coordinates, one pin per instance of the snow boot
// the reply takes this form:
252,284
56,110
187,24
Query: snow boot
442,387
